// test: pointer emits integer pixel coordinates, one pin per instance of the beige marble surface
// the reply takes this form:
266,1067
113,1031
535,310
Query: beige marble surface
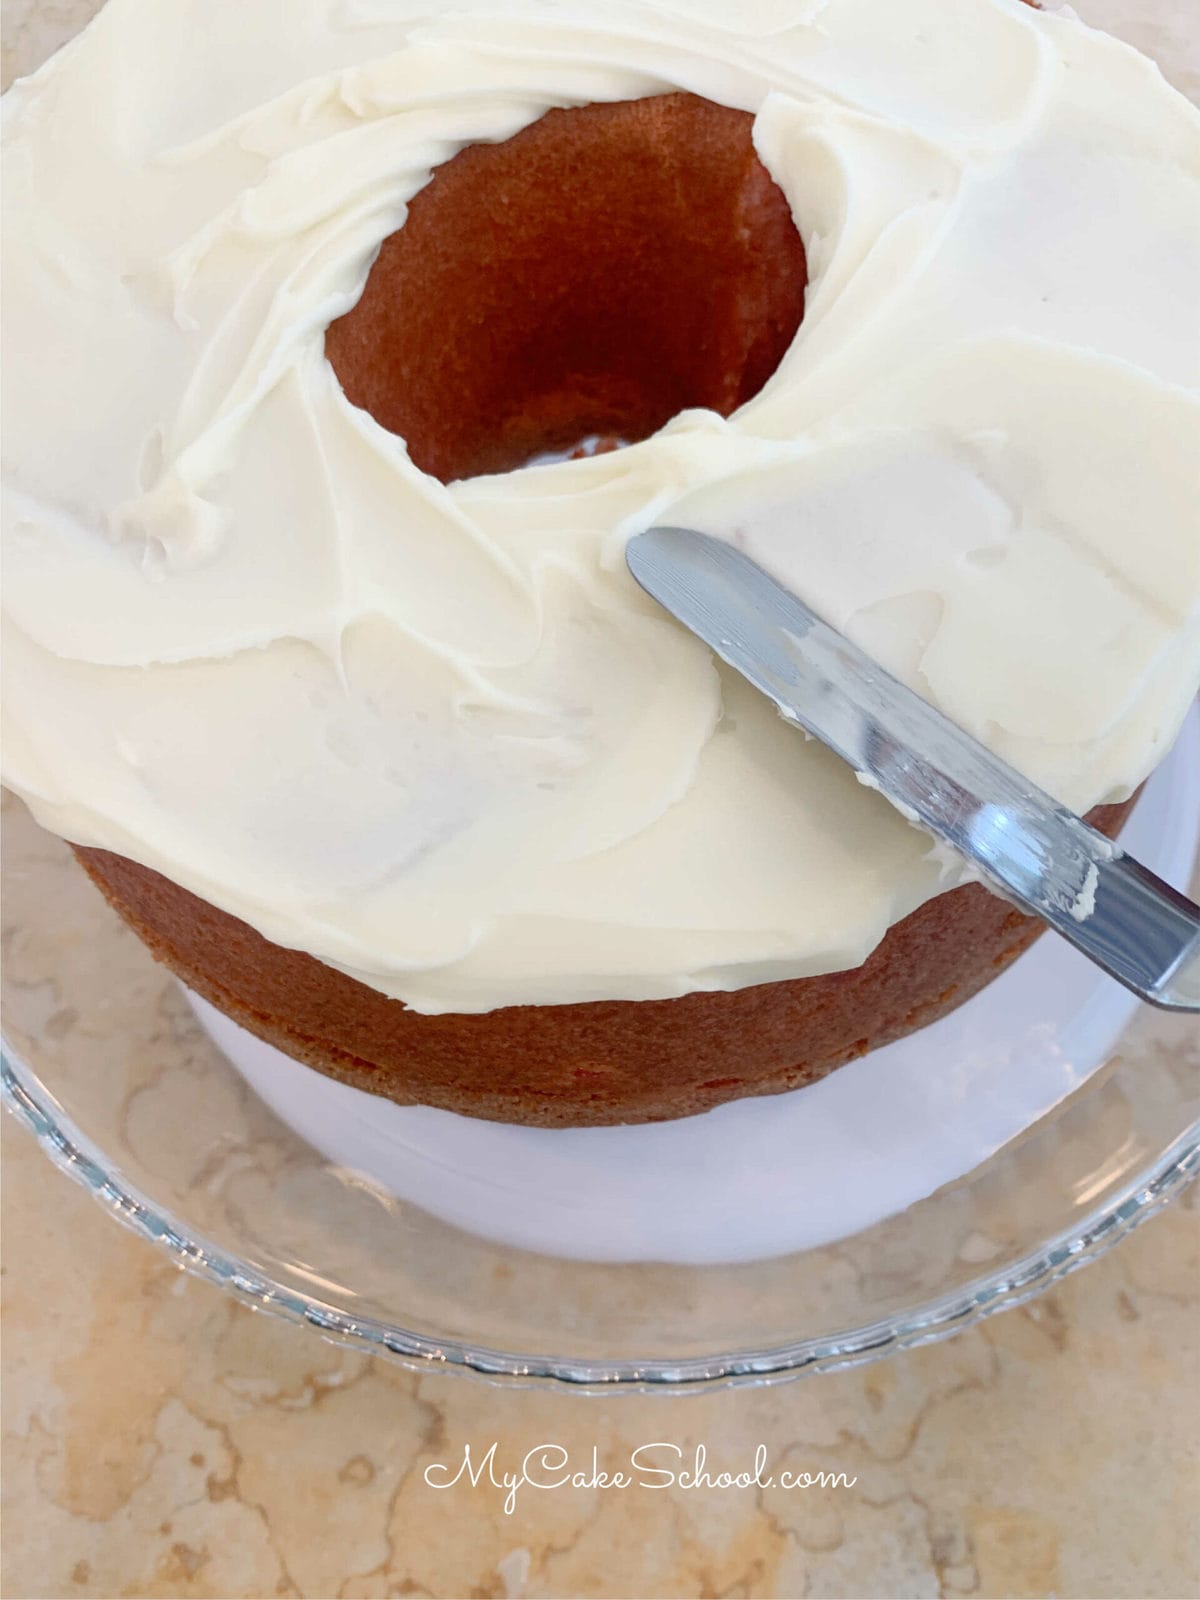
160,1440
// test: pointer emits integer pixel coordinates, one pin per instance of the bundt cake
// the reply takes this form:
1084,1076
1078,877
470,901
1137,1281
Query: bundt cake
320,649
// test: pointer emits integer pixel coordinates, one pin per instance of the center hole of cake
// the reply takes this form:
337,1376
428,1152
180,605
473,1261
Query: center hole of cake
575,287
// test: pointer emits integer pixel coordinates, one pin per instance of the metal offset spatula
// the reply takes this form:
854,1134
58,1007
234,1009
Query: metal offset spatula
1034,852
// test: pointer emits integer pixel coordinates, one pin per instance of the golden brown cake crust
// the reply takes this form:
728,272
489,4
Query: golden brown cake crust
575,1065
604,269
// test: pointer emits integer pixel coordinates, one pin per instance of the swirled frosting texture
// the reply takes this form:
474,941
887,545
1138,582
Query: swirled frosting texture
433,735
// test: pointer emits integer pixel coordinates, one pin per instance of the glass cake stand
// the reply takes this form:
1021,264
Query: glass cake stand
106,1064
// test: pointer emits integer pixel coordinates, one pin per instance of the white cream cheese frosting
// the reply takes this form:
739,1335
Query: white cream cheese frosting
434,735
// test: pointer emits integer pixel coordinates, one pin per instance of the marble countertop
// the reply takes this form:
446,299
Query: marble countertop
161,1440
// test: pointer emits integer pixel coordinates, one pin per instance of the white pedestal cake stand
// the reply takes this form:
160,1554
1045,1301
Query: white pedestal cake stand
759,1177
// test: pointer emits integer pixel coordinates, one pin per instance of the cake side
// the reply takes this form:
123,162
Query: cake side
592,1063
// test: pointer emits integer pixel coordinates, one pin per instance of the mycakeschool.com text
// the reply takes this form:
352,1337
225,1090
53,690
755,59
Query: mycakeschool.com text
656,1465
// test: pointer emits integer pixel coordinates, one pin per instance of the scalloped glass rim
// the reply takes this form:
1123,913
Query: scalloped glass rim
1003,1289
105,1063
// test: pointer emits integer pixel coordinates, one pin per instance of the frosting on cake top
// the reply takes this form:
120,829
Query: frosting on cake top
434,735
